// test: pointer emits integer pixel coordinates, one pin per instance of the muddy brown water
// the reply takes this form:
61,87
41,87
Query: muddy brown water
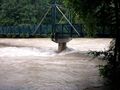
33,64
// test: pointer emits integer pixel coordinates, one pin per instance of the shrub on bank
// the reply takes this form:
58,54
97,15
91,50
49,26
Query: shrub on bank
111,71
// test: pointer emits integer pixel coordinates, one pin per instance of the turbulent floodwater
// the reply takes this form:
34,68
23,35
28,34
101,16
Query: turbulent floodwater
45,47
34,64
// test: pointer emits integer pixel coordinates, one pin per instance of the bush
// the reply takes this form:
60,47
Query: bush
9,35
27,35
111,71
22,35
13,35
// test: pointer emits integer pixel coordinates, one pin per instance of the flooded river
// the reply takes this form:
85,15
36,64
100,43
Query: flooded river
34,64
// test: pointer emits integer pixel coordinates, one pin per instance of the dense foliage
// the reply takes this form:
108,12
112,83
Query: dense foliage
103,14
16,12
94,15
29,12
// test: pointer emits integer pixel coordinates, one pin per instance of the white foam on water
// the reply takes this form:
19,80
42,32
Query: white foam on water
43,52
68,51
25,51
32,51
47,48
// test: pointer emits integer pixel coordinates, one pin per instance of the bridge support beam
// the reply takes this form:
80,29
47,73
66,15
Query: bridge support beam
61,46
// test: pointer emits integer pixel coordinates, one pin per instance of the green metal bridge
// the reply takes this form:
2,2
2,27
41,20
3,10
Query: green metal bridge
55,28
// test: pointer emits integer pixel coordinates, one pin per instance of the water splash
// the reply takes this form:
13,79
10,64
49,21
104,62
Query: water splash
45,48
25,51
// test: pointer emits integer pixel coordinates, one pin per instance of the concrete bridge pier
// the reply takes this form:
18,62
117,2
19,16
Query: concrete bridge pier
62,46
62,43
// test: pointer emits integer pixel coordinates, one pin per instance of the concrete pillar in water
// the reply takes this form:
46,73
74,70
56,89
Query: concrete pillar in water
61,46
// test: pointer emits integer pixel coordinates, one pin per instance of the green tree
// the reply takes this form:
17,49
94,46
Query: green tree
16,12
86,10
105,13
21,12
